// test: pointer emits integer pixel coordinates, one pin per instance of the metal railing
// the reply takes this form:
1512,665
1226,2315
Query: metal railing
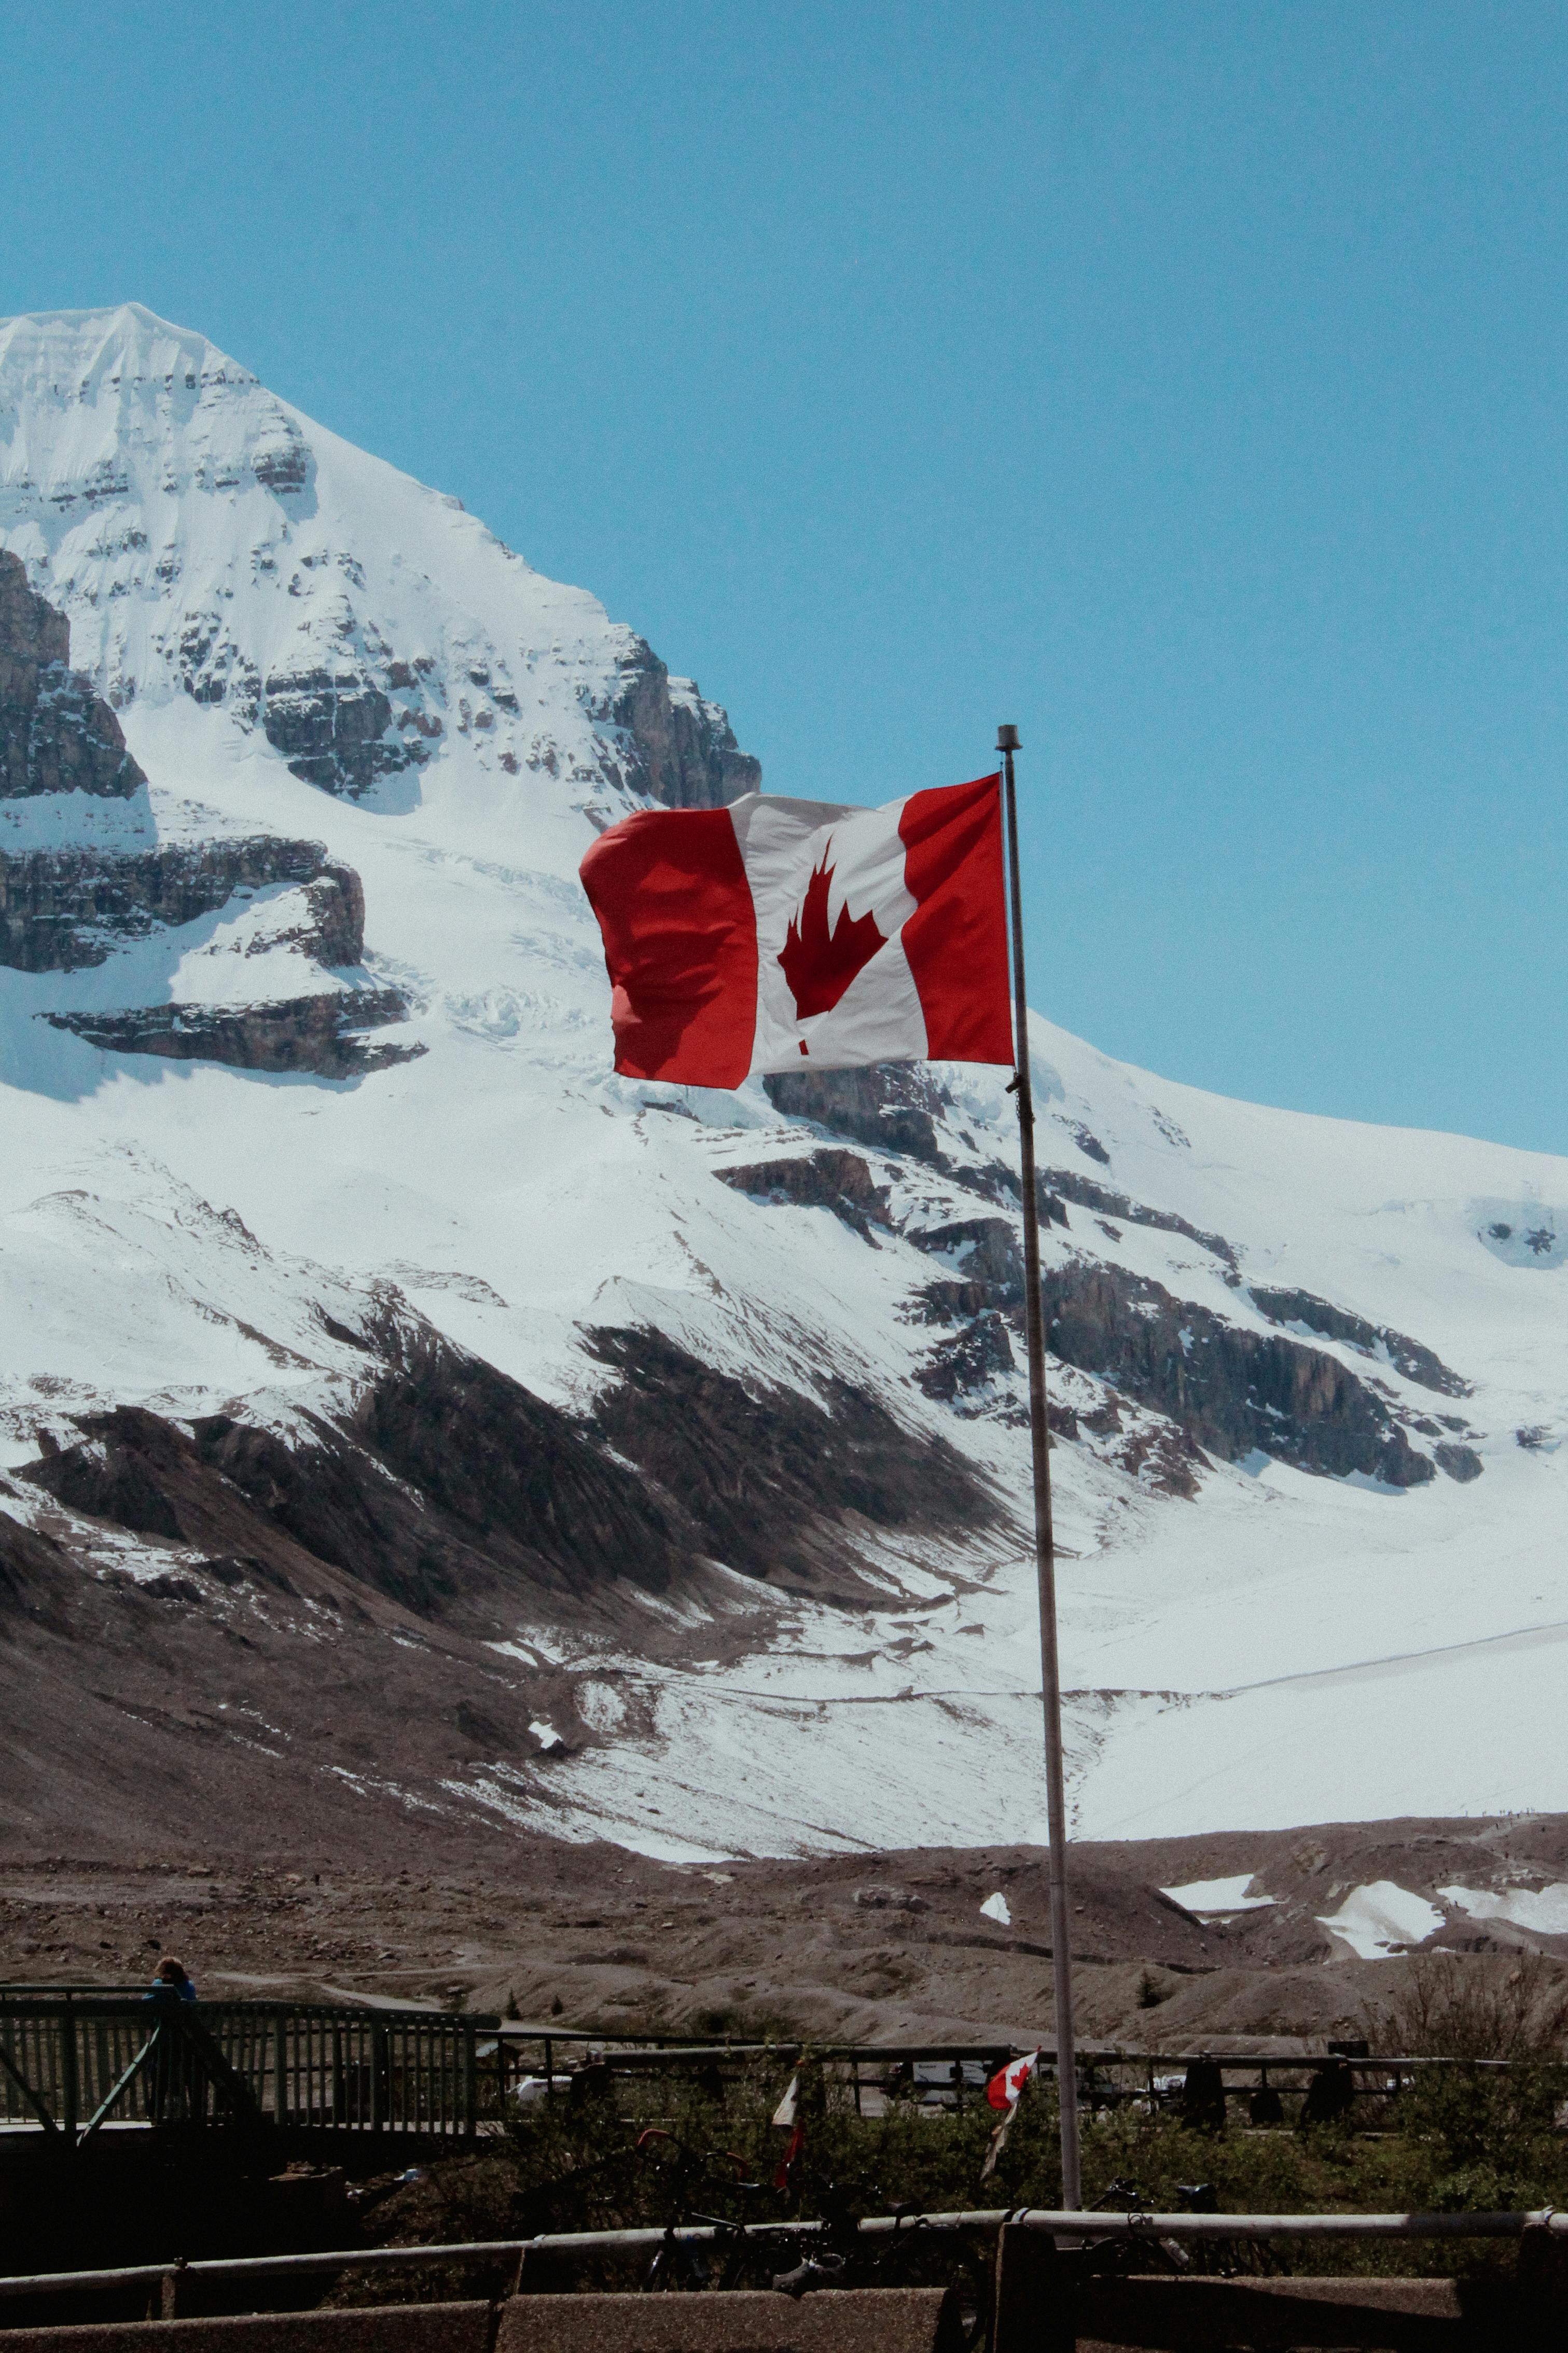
77,2061
984,2222
73,2063
952,2073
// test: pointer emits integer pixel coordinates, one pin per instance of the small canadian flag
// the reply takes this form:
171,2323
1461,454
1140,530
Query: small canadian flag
1007,2086
780,934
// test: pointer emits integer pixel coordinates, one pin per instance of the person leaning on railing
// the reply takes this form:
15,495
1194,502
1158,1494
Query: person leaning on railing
171,1983
171,1988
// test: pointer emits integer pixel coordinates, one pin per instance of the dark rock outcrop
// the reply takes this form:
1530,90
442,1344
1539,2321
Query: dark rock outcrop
1416,1362
686,758
334,727
894,1107
766,1479
1090,1145
1461,1462
828,1179
968,1362
280,460
63,908
56,734
988,1272
1231,1390
453,1492
33,1569
320,1035
891,1106
518,1497
988,1250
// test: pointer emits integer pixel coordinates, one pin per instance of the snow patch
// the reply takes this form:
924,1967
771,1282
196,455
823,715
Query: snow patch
1544,1910
1381,1919
1219,1899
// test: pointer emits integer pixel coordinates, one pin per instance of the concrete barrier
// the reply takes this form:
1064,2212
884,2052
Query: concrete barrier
834,2320
385,2329
1285,2316
859,2320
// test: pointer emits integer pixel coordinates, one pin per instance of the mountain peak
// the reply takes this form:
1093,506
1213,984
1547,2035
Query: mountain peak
87,349
208,541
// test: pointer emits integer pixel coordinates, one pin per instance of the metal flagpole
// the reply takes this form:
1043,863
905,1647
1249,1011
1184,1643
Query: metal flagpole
1045,1539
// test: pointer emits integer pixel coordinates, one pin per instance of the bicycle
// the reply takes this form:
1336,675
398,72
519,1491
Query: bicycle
1131,2252
914,2253
731,2259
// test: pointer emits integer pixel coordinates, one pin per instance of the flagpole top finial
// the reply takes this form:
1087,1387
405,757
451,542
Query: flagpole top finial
1007,739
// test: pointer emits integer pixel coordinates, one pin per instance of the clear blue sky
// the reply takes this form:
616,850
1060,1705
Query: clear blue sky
1183,381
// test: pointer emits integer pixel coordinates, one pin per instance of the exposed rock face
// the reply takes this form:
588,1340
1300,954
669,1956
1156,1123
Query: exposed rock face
55,737
763,1480
333,727
1231,1390
331,924
1410,1357
520,1498
989,1251
839,1181
63,908
449,1487
969,1361
320,1035
34,1571
888,1105
331,716
681,749
894,1107
1218,1386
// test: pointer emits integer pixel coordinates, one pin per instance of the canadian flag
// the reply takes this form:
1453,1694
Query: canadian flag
783,934
1005,2088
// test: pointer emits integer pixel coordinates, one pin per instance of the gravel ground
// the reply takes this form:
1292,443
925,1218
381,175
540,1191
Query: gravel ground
869,1947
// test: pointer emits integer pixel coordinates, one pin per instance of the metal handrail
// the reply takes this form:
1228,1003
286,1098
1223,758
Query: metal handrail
1056,2222
66,2055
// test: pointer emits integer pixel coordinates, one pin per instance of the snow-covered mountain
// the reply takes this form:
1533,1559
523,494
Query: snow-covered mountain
398,1410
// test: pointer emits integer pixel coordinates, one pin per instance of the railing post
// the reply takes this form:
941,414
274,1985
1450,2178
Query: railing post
68,2092
379,2086
280,2069
470,2080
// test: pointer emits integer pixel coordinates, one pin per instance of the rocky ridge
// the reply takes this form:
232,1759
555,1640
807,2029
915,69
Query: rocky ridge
70,908
1229,1391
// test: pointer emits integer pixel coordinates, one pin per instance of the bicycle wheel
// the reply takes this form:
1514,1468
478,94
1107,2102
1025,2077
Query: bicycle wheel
679,2267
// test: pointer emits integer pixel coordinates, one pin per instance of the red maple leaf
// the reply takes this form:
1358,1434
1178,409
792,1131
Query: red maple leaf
819,964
